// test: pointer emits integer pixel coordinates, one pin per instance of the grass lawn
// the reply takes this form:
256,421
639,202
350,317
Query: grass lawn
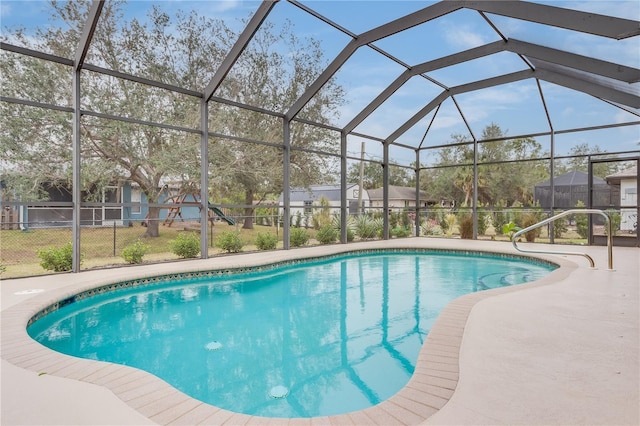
19,250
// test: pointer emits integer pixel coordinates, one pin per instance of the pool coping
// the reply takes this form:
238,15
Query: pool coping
429,389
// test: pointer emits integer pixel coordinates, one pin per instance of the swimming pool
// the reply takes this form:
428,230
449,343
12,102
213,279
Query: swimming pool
315,338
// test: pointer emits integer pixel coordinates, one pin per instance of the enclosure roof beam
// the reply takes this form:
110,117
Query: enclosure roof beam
87,33
245,37
594,89
35,54
390,28
572,60
409,21
585,22
141,80
583,63
464,88
443,62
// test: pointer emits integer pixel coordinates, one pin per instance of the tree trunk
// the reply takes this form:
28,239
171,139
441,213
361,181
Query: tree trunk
153,223
467,195
248,211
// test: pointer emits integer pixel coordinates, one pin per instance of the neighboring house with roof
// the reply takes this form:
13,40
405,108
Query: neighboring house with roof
304,199
571,188
400,198
627,181
43,215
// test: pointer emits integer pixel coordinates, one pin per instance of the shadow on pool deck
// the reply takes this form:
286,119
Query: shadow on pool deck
561,352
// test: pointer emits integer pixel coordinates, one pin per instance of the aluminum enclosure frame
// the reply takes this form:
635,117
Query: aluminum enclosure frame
613,83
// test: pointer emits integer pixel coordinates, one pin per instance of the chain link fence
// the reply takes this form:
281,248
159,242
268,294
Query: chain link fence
102,245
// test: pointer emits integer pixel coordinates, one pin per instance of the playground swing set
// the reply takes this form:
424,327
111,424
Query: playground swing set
191,199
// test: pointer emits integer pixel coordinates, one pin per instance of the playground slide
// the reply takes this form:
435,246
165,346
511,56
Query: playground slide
221,214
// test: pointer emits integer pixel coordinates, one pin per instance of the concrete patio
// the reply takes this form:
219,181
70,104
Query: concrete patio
563,350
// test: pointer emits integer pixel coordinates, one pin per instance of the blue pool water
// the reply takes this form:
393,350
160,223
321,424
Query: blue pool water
312,339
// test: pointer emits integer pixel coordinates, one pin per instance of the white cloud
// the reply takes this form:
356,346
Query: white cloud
224,5
462,36
446,121
568,112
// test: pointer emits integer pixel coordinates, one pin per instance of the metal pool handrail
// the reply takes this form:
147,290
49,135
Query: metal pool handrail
563,214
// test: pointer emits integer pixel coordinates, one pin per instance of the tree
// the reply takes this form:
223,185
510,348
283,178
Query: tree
453,179
184,51
499,180
579,160
272,79
372,176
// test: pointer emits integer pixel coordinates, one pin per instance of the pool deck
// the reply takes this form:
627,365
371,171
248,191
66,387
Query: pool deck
562,350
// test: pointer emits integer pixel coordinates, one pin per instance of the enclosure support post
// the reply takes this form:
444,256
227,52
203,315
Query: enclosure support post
76,194
204,178
553,189
418,206
551,165
286,181
343,188
474,207
589,200
385,191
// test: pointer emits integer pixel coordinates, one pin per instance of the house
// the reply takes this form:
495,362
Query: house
47,216
400,198
302,199
627,181
133,210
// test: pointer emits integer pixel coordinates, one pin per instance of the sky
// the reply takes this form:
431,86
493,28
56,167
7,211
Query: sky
517,107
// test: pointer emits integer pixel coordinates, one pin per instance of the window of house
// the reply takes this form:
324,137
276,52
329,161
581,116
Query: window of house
136,197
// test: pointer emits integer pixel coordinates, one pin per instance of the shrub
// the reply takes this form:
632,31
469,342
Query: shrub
430,227
322,216
133,253
501,216
560,227
266,241
406,219
327,234
400,232
299,237
378,226
509,229
186,245
57,259
582,221
451,220
230,242
483,219
393,219
335,222
366,228
529,219
466,227
615,219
